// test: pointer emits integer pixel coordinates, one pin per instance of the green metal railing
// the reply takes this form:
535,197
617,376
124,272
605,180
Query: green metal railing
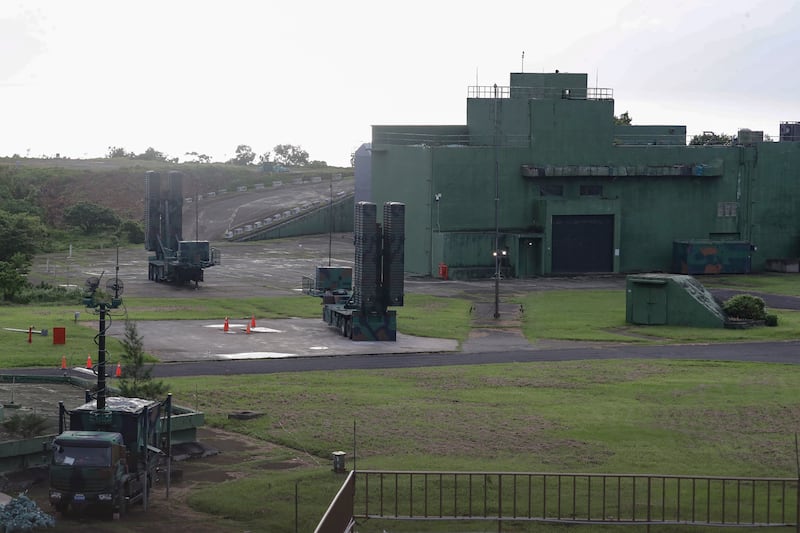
406,137
635,499
579,93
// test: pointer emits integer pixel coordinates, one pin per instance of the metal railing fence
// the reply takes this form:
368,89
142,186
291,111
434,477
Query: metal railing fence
577,498
576,93
405,137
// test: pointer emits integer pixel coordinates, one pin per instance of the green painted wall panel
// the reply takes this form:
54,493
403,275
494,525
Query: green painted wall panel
513,119
774,189
558,126
417,135
405,173
649,135
466,179
553,82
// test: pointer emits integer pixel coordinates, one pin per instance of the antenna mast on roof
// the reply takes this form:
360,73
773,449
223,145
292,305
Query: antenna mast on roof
523,61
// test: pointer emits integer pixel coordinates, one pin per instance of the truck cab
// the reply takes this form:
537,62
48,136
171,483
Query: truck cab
87,470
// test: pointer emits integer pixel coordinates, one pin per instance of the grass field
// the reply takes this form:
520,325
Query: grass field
591,416
768,282
600,316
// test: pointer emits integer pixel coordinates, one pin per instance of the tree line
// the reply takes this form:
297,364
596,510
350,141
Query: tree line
288,155
32,221
22,235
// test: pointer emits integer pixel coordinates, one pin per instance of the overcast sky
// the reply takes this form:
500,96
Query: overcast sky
194,76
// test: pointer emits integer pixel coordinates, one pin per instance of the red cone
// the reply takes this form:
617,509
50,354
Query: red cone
253,321
248,329
63,362
225,326
89,362
118,373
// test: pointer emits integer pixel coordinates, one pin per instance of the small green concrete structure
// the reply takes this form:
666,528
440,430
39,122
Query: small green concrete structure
671,299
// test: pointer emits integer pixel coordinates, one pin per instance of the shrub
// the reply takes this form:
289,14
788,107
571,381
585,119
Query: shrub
771,320
26,425
46,293
132,231
138,381
22,514
745,306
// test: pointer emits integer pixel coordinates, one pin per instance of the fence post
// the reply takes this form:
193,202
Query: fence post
499,503
649,502
797,503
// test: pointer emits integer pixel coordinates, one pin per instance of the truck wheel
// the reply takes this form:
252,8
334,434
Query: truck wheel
109,513
120,510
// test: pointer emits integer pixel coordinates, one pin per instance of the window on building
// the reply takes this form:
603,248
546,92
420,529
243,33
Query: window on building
727,209
591,190
551,190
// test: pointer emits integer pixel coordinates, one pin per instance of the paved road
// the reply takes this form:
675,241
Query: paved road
765,352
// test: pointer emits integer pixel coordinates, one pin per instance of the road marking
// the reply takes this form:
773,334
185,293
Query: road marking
256,355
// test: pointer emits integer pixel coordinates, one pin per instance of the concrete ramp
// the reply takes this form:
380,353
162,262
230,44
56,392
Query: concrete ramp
671,299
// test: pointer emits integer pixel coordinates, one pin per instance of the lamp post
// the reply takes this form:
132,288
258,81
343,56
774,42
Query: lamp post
496,214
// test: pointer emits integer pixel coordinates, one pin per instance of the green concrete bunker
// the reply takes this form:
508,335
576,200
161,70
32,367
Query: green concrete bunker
671,299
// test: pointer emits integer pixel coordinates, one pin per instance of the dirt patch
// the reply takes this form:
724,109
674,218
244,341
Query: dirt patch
510,315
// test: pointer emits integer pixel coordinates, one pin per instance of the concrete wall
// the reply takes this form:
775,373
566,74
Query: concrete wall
406,177
335,218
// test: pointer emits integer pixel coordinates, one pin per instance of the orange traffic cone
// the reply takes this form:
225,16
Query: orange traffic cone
63,362
118,373
89,362
253,321
225,326
248,329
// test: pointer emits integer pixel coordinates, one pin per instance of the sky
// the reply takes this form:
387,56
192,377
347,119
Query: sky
199,76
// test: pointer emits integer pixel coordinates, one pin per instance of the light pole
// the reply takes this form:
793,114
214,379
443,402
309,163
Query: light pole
496,215
330,223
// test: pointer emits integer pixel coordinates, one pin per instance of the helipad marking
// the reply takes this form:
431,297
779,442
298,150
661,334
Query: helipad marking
259,329
318,348
88,371
256,355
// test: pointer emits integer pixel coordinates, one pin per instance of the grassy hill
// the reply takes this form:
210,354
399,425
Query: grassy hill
52,185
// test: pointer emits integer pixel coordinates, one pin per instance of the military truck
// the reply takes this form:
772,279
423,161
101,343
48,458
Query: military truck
176,260
108,458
